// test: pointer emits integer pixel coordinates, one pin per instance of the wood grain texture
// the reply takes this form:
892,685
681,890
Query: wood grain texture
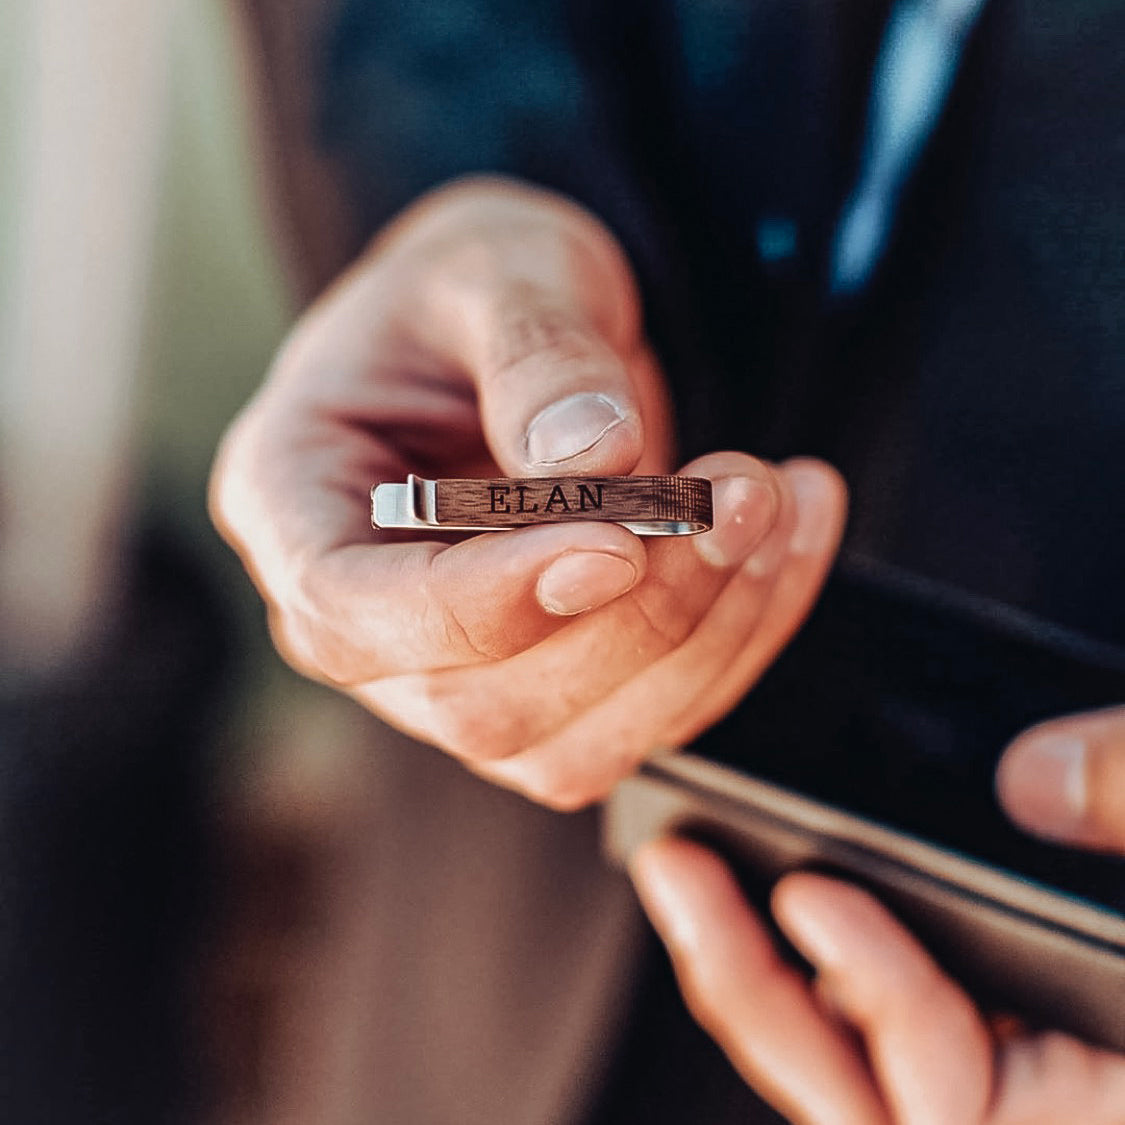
514,502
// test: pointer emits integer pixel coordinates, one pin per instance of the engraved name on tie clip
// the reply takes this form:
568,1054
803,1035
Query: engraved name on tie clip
665,505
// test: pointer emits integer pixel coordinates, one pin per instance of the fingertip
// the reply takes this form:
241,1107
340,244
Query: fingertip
810,468
592,565
812,490
680,861
821,497
675,880
798,886
579,581
1041,782
757,1008
666,857
747,502
823,917
656,875
745,510
788,898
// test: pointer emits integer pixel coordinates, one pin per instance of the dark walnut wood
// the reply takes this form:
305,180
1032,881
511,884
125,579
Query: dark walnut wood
516,502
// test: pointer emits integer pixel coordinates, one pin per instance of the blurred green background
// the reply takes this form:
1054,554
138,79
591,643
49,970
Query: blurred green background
216,304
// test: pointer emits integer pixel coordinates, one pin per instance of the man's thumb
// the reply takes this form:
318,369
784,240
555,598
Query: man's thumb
554,395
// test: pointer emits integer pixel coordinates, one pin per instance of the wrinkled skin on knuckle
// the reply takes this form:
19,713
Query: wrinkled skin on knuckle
478,632
339,647
489,640
528,328
294,634
314,633
665,612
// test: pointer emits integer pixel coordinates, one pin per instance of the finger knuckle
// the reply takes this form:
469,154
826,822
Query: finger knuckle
291,640
526,327
920,987
462,637
473,734
467,720
226,485
314,652
317,637
666,612
469,260
314,638
547,775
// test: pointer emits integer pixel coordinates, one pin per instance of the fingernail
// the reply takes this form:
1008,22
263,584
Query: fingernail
745,509
815,518
1043,784
583,580
565,429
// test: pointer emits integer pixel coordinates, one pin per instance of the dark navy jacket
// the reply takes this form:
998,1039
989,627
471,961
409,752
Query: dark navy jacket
971,389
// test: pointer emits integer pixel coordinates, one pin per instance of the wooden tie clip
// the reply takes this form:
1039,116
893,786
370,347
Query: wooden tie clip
664,505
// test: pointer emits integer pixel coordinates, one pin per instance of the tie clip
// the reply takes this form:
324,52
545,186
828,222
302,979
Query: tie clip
667,505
